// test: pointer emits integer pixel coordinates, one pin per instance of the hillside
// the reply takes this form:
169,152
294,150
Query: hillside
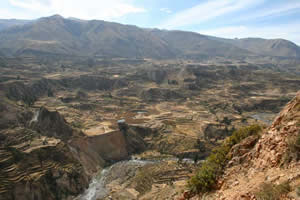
267,168
271,47
56,35
7,23
194,45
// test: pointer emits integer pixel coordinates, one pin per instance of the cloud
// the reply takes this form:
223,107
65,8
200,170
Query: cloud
286,31
273,11
207,11
166,10
87,9
5,14
29,4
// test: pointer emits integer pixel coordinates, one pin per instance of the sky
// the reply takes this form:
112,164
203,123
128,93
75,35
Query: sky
223,18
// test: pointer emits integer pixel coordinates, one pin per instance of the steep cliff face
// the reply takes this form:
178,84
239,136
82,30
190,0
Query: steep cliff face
51,124
38,167
260,171
43,157
35,162
97,151
30,92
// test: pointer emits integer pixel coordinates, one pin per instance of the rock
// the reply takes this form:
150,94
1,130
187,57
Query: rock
48,173
133,193
235,183
51,124
263,157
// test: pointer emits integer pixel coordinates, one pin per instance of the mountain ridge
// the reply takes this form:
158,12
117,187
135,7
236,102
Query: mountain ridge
7,23
69,36
268,47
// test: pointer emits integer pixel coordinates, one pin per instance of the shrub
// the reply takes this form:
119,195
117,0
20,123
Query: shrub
206,176
144,179
298,191
77,124
273,192
242,133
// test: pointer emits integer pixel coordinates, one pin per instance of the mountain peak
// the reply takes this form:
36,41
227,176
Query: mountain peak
56,16
52,17
107,39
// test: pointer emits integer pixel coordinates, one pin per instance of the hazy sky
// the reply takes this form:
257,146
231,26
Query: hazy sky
223,18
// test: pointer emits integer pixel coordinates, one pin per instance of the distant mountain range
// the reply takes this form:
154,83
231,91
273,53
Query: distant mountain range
56,35
7,23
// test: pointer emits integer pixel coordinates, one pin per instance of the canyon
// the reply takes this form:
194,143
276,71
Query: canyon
137,119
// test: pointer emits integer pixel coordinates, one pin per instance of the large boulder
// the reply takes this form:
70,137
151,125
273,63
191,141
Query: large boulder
51,124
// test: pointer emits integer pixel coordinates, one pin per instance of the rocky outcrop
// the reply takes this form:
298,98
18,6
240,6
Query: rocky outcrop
48,157
138,136
9,114
97,151
29,93
34,167
43,157
51,124
134,138
36,161
270,149
239,151
272,159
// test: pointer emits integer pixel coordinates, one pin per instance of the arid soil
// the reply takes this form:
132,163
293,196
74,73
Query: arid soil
172,109
270,161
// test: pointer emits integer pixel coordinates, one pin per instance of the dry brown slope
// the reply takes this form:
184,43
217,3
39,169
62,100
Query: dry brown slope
266,162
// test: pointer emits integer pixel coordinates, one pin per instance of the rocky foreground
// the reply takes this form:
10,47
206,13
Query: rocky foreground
267,168
43,157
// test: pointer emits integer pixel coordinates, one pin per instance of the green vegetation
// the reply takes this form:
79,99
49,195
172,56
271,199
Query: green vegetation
77,124
273,192
206,176
298,191
144,178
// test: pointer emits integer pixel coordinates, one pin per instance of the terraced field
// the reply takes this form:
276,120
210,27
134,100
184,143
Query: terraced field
171,109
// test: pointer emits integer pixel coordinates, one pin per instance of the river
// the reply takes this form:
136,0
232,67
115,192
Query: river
267,118
127,168
97,188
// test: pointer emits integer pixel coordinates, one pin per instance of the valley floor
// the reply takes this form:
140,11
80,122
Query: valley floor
172,111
